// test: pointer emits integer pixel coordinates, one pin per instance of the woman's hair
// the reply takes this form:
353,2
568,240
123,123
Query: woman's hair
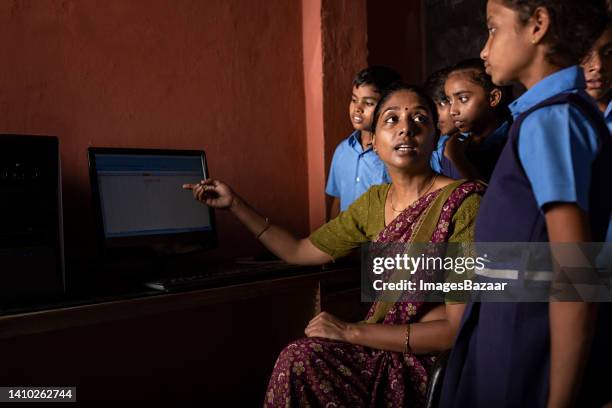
574,25
402,86
434,84
379,76
475,67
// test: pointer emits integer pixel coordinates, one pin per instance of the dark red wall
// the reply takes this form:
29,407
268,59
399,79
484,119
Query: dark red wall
345,52
395,36
221,75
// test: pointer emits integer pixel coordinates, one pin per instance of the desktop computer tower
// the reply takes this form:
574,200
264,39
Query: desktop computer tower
31,232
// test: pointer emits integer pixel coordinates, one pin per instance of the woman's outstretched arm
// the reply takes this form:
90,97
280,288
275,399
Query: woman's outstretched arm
282,243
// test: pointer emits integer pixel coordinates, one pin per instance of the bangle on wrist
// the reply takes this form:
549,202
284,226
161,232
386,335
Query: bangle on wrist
265,228
407,349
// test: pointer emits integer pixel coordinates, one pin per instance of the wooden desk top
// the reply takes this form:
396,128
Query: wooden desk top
149,302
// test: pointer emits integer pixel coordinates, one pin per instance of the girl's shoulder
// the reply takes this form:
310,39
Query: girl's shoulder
557,128
557,112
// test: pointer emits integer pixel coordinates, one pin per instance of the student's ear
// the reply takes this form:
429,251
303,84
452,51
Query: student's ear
374,141
540,23
495,97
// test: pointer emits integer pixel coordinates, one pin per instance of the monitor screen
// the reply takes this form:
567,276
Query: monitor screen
139,198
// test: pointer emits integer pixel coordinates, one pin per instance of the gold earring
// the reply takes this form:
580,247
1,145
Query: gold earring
533,40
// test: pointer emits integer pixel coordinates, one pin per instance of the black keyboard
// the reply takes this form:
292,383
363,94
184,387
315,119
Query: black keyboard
227,275
177,283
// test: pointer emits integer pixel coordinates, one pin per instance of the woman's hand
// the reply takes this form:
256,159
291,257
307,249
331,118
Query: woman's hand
213,193
283,244
328,326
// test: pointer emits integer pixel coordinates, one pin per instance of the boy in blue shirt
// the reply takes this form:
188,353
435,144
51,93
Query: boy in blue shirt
355,165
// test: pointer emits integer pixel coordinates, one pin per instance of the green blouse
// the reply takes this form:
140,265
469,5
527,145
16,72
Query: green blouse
365,219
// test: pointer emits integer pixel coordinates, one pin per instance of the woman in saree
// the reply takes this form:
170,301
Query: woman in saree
384,360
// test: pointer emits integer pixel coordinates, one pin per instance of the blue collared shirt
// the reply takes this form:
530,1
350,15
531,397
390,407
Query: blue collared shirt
557,144
354,170
438,154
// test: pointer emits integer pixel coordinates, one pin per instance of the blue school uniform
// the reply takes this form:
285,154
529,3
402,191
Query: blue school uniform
438,153
483,157
558,149
353,170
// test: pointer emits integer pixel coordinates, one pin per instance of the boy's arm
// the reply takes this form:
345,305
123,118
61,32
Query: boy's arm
571,323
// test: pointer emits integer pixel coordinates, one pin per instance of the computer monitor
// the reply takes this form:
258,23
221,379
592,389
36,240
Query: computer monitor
139,201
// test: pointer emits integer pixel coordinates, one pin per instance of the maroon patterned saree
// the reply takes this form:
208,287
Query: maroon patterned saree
318,372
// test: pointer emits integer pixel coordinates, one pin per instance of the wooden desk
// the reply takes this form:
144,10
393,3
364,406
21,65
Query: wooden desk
206,346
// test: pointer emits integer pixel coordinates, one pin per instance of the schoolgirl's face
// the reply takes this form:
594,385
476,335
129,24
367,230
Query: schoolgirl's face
405,131
361,109
597,67
445,122
470,105
508,53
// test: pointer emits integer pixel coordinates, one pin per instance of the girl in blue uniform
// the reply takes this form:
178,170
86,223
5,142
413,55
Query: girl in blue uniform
550,184
479,111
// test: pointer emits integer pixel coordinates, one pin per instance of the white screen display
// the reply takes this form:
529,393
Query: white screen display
142,194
